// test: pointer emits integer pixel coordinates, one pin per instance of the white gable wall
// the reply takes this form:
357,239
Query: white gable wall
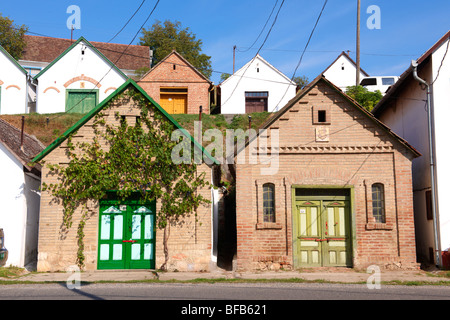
90,67
342,73
13,86
257,76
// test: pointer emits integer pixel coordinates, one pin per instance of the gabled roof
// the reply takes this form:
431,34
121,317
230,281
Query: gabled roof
47,49
129,83
181,58
265,62
344,54
390,94
307,88
14,61
10,137
81,39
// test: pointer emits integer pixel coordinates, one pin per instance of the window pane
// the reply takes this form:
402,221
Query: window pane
378,203
268,202
105,227
388,81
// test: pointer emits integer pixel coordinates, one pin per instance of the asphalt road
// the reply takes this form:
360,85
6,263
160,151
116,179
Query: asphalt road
221,291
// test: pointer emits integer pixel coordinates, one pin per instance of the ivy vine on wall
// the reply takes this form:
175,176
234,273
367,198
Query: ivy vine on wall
127,159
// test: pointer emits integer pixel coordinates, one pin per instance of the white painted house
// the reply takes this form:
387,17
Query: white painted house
19,194
77,80
256,87
13,85
404,109
342,72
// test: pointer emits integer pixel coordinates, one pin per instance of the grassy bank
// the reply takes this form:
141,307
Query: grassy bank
47,127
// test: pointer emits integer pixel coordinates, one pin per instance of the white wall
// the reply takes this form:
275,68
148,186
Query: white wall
13,213
408,118
12,99
342,73
280,89
441,102
71,65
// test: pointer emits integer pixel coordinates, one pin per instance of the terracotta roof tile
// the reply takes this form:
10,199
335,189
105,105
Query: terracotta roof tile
10,137
47,49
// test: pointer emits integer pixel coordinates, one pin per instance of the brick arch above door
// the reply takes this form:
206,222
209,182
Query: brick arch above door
82,78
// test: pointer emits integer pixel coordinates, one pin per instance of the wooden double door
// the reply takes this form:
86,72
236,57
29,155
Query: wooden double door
174,103
322,235
126,235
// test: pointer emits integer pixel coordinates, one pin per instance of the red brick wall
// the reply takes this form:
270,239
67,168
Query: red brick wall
358,154
183,76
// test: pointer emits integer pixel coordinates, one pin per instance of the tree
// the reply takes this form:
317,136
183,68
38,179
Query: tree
301,81
364,97
163,38
128,159
224,76
11,37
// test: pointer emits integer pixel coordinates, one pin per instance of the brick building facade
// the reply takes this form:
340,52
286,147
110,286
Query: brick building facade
177,86
340,190
189,244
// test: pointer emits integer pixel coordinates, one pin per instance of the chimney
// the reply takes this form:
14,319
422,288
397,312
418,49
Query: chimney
21,133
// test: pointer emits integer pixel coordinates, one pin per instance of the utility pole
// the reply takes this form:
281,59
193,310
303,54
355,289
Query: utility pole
358,33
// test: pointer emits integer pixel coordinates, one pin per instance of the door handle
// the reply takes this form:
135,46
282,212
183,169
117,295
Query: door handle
132,241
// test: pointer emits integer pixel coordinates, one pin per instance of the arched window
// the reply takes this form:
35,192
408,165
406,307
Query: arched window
378,203
269,202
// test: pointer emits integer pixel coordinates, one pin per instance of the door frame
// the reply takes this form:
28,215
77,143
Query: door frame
352,223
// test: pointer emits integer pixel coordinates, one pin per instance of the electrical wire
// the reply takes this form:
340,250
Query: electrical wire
127,22
304,50
114,64
250,63
262,30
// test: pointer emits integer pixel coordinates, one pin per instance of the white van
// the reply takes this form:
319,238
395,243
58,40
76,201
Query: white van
378,83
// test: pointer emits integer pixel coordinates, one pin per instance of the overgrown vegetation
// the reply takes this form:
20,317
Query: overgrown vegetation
364,97
45,131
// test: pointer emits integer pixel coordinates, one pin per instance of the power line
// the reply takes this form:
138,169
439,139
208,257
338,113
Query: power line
264,42
127,22
338,51
98,82
267,21
304,50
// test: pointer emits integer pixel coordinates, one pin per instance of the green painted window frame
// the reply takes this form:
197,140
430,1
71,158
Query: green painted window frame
68,91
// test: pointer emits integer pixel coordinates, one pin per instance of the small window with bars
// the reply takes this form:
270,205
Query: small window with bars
269,202
378,203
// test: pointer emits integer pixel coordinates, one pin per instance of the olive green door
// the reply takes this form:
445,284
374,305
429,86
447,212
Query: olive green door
81,100
322,233
126,235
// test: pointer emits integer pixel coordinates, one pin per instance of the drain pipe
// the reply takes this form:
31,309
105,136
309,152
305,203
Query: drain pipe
432,165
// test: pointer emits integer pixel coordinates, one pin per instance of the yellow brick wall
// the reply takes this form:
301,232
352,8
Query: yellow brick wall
189,242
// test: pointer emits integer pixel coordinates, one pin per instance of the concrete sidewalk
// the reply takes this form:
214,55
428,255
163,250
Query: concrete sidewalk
335,275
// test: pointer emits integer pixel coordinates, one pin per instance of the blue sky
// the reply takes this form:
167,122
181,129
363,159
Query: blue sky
408,29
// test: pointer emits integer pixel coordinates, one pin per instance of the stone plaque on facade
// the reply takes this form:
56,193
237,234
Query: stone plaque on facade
322,134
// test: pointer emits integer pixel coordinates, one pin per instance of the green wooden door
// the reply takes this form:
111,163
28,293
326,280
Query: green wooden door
126,235
321,233
81,101
335,219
